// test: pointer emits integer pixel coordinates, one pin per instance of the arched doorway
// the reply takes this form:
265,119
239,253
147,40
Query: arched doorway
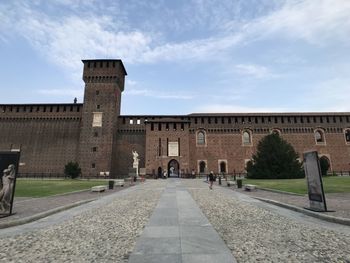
173,168
160,172
324,165
223,167
202,166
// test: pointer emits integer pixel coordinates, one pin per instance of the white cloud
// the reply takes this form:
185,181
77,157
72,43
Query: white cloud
157,94
314,21
219,108
61,92
330,95
68,39
256,71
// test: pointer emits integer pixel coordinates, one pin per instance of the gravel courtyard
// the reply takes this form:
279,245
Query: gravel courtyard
109,233
104,235
254,234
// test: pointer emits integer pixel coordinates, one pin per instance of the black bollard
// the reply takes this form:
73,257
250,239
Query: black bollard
219,180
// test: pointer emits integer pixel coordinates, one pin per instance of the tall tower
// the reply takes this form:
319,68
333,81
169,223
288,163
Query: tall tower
104,83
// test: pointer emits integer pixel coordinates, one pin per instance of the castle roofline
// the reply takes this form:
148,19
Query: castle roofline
110,60
268,114
42,104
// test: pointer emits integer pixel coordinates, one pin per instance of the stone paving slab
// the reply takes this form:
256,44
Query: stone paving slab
179,232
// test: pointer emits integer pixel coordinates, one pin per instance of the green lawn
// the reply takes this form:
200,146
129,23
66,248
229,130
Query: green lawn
41,188
331,184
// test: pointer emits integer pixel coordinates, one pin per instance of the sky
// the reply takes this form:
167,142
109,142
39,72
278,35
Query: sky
183,56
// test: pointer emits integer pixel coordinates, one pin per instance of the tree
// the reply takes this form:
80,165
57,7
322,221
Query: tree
275,159
72,170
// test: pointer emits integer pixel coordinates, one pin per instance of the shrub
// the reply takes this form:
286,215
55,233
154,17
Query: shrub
72,170
275,159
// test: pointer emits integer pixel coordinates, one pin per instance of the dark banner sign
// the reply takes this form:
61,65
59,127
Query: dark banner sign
9,162
314,182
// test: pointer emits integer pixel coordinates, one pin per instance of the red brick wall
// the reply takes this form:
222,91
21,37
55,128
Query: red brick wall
47,135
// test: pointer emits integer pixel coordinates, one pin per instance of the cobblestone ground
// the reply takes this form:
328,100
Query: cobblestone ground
107,234
256,235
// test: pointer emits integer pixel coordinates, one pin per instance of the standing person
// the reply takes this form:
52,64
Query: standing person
211,180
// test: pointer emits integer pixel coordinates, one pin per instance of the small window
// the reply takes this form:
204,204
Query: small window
93,165
246,138
98,107
97,92
201,138
94,149
131,121
319,136
152,126
95,134
138,121
347,136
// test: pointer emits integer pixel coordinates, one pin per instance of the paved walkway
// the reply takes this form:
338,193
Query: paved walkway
179,232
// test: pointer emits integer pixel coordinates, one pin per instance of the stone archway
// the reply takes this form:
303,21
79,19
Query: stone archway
223,167
160,172
202,167
173,168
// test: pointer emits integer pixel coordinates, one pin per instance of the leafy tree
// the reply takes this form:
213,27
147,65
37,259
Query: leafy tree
275,159
324,164
72,170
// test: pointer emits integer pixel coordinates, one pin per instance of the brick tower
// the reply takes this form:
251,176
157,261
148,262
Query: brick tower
104,83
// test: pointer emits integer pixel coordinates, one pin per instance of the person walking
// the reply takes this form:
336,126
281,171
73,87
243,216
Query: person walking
211,180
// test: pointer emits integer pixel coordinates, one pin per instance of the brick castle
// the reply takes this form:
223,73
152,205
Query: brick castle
101,140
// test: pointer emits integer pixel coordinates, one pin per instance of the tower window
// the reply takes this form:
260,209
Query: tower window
247,138
94,149
131,121
93,165
98,107
319,137
201,138
347,136
97,92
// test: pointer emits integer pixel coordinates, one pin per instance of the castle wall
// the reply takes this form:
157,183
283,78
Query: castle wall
46,135
129,137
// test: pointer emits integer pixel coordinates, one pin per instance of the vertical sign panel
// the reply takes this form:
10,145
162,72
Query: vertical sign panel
314,182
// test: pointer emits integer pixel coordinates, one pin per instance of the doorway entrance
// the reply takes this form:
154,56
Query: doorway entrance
173,168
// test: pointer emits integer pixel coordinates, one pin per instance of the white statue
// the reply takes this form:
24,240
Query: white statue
135,156
7,187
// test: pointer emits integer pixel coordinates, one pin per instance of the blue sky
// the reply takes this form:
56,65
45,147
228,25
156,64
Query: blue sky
182,56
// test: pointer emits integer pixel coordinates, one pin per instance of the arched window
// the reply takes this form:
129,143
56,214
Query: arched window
347,135
202,166
276,131
201,138
247,138
319,137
